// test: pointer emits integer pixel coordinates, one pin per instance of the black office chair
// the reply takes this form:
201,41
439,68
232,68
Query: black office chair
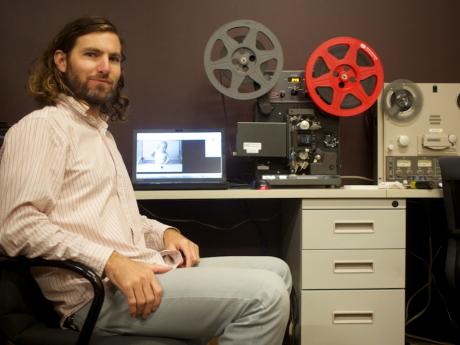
450,172
27,318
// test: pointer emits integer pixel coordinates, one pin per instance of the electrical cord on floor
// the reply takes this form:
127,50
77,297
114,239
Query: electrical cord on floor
430,341
446,307
423,287
435,285
431,282
211,226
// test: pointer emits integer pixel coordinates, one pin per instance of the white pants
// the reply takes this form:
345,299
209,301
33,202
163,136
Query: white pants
241,300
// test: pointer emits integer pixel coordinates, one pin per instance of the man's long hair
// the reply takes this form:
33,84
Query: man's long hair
46,82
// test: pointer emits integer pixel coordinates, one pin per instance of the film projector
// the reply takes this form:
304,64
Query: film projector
294,135
417,124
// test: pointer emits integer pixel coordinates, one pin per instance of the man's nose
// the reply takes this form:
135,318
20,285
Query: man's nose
104,64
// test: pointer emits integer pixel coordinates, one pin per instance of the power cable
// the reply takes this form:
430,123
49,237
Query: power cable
207,225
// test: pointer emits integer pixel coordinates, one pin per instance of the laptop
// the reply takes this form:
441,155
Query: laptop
178,159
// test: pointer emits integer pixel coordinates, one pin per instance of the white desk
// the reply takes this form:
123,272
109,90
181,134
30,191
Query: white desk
346,249
310,193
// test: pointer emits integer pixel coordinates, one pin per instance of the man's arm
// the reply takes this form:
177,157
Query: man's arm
32,170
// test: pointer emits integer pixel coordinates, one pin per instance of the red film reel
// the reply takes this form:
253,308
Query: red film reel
344,76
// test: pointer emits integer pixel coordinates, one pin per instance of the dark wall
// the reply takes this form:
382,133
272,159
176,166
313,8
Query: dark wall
165,40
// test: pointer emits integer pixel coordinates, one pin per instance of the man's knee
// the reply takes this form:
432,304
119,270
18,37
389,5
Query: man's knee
273,294
281,268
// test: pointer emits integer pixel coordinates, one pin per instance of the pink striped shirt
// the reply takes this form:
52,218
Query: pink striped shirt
66,194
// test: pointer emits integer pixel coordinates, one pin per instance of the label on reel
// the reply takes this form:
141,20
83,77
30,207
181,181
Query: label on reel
344,76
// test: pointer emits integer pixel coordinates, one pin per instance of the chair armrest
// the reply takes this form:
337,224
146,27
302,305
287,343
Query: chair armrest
82,270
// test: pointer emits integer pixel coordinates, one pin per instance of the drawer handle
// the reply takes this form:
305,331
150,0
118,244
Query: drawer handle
353,227
353,317
355,266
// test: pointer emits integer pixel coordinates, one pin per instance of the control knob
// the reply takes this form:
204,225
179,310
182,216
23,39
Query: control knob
403,140
303,155
304,124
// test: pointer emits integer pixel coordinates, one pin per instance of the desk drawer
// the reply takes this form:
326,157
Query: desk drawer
363,317
342,229
353,269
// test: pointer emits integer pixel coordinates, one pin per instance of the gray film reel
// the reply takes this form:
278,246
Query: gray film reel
402,100
243,68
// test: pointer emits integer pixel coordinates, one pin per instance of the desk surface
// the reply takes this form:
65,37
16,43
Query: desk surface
346,192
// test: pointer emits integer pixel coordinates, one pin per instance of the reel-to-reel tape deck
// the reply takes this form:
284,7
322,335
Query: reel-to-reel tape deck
417,124
294,137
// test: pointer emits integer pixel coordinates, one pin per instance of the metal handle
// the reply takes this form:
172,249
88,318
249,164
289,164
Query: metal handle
354,266
353,227
353,317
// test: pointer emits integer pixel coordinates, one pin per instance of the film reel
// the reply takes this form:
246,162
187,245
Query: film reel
243,59
402,100
344,76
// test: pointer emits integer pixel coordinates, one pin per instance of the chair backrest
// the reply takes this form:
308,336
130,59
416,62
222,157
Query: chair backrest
450,172
23,309
27,318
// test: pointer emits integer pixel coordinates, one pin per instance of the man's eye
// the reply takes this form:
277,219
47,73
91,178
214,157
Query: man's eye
115,59
91,54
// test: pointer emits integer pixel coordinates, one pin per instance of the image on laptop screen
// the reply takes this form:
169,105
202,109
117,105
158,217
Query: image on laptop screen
177,156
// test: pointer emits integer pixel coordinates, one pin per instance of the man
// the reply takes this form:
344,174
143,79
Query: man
66,194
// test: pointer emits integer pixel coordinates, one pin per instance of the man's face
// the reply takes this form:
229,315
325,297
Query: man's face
93,67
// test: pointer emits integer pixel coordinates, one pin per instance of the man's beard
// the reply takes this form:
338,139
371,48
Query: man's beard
97,96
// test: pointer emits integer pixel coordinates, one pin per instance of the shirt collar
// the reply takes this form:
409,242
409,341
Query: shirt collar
82,110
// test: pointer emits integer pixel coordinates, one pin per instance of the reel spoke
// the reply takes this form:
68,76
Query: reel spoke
359,93
338,98
220,64
229,42
352,54
266,55
257,76
366,72
251,38
330,60
323,80
237,79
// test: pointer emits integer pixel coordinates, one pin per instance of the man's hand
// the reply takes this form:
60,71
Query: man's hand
138,282
174,240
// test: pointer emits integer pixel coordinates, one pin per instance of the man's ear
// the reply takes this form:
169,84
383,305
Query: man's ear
60,60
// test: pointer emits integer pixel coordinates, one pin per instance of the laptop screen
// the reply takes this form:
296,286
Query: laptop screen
175,155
